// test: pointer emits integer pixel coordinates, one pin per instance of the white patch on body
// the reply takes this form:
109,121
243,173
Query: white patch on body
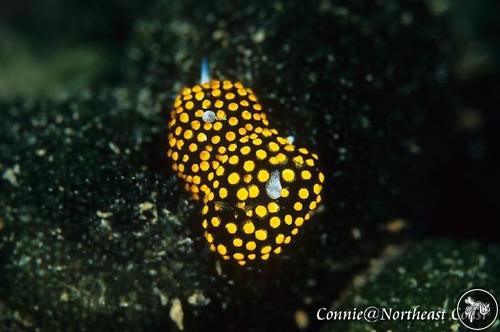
209,116
273,185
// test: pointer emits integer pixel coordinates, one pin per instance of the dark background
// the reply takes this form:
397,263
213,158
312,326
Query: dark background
460,195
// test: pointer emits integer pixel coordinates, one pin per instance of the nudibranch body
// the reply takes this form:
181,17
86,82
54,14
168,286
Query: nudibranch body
257,188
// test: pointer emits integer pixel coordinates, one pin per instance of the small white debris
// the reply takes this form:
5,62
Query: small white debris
114,148
273,185
10,174
104,214
259,36
209,116
41,152
176,313
146,206
198,298
290,139
301,319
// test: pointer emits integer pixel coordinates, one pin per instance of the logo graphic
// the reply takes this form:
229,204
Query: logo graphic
477,309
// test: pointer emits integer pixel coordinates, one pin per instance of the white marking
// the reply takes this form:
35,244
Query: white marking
291,139
273,185
209,116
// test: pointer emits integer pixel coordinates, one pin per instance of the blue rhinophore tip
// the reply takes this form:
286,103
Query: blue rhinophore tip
205,77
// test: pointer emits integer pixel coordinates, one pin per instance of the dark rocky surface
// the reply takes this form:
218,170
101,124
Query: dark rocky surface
441,271
97,234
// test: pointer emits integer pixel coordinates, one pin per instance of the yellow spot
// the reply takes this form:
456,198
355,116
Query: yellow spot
275,222
231,228
232,147
253,191
233,160
310,162
216,93
199,95
321,177
233,106
204,165
257,141
281,158
288,175
249,165
220,171
306,175
312,206
188,134
265,257
204,155
204,211
288,219
273,207
288,239
277,250
261,234
206,104
257,107
299,221
184,117
230,96
195,125
303,151
263,175
221,249
251,257
250,246
195,168
230,136
242,194
244,103
261,154
261,211
246,115
247,178
266,250
248,228
202,137
233,178
303,193
238,256
215,221
279,238
198,113
215,139
189,105
317,188
237,242
295,231
209,237
273,147
245,150
223,193
297,206
233,121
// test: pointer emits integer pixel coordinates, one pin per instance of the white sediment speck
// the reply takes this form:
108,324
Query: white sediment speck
209,116
273,185
176,313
